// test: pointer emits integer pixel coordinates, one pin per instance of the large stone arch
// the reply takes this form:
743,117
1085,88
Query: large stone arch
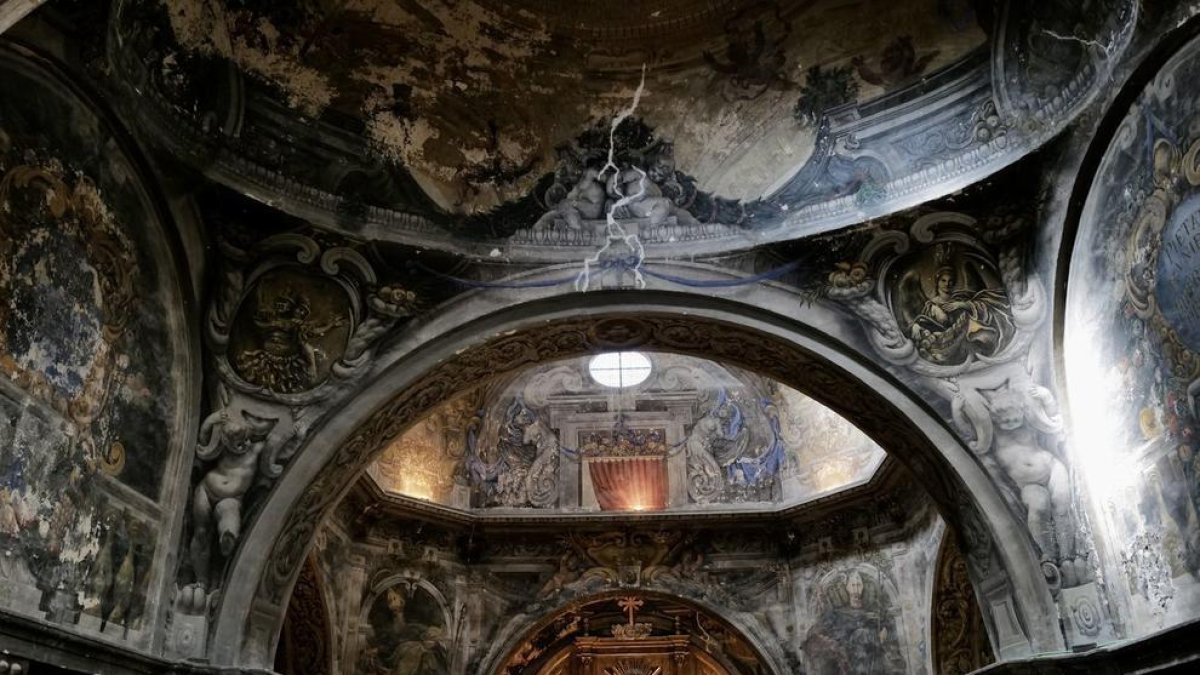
506,336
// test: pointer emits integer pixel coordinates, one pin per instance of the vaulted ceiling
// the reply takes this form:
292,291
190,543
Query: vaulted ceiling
514,129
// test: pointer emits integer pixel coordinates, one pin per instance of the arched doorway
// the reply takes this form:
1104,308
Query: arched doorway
634,633
464,351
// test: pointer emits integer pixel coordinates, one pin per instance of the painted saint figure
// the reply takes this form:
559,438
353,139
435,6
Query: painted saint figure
955,324
402,641
855,633
716,442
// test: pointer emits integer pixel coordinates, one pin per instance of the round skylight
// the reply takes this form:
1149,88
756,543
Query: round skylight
620,369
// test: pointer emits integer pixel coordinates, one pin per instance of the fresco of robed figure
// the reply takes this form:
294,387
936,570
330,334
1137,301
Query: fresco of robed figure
407,635
856,630
953,305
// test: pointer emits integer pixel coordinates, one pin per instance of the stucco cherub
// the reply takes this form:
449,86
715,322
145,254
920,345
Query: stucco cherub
584,200
1021,421
236,443
636,195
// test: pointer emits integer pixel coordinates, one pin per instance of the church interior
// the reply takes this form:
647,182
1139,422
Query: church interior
662,337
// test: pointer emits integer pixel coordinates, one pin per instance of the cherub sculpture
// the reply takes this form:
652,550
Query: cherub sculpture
1021,422
584,200
236,443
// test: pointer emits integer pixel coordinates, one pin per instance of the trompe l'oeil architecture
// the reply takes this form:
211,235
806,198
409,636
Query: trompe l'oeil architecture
508,337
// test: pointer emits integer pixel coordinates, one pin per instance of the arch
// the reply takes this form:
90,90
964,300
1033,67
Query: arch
1108,320
462,348
523,630
306,644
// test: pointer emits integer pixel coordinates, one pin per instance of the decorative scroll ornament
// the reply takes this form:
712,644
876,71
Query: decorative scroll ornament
951,301
301,321
1161,270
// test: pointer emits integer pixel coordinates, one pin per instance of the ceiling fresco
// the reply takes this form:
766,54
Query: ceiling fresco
693,434
474,97
1133,363
539,131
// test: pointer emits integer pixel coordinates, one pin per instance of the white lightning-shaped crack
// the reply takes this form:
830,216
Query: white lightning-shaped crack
1086,42
612,229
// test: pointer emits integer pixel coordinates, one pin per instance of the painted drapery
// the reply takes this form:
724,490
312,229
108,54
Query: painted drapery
630,483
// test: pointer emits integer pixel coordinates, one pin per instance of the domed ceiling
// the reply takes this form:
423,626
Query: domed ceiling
533,130
628,432
475,97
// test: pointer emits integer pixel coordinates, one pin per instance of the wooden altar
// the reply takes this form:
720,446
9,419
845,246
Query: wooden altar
642,634
655,655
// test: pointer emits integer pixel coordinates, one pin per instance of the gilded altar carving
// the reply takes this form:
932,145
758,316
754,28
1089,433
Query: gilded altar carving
960,638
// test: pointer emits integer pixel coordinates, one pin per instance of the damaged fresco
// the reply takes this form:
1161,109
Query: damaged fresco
90,393
481,126
850,592
396,210
1133,358
473,98
951,299
407,633
694,433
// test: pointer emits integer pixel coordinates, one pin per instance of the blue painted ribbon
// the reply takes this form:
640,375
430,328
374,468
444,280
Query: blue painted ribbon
622,263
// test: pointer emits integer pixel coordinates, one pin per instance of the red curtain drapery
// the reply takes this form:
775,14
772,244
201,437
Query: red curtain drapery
629,483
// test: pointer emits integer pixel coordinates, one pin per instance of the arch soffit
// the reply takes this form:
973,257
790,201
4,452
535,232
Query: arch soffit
478,336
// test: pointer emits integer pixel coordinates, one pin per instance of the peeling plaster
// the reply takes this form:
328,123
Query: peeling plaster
472,99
